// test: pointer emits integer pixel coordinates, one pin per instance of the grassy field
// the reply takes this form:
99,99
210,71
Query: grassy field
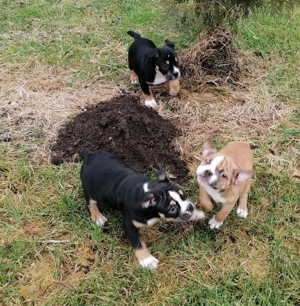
59,57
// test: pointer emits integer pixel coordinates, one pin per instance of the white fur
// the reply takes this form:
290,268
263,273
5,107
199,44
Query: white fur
152,221
213,223
183,204
101,221
150,262
151,103
134,81
176,70
149,222
145,187
198,215
159,78
242,213
215,194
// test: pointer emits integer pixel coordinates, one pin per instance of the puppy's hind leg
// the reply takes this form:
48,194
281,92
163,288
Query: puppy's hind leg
95,213
242,209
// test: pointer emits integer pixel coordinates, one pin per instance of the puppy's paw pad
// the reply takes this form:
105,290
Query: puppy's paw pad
213,223
198,215
100,221
150,262
151,103
242,213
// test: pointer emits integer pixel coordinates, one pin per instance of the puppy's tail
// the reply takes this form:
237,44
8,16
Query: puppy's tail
85,153
134,34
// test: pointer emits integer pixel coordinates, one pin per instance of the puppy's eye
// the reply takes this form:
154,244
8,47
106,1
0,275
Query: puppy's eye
223,175
165,66
173,209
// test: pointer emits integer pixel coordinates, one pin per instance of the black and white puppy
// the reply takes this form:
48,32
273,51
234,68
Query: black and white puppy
152,66
107,179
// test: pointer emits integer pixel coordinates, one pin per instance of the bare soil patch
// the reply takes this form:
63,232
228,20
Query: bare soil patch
123,126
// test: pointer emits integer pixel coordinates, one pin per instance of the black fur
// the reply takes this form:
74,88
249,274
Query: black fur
107,179
144,58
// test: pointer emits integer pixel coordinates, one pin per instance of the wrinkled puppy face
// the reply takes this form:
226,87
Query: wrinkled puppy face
166,62
168,200
217,172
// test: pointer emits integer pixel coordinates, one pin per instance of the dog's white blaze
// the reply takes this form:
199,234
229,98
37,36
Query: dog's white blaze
145,187
183,204
212,167
176,70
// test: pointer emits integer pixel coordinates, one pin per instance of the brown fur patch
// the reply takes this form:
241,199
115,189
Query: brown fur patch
174,87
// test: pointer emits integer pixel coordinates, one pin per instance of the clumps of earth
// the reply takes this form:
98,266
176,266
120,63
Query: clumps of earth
137,134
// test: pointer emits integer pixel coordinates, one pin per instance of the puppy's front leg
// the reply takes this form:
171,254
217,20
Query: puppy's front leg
205,201
174,87
142,254
149,99
217,220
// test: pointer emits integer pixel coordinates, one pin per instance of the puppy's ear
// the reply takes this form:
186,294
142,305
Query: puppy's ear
239,176
154,53
169,44
207,150
162,176
148,201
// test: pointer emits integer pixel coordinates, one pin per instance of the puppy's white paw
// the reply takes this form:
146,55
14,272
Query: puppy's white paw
134,81
151,103
213,223
100,221
150,262
198,215
242,213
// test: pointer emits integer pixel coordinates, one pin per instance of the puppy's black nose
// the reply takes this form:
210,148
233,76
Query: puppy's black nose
175,75
213,184
190,208
207,173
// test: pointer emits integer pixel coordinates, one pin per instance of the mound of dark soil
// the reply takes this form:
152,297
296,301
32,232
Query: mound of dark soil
137,134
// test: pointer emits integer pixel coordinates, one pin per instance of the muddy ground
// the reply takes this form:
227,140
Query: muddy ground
137,134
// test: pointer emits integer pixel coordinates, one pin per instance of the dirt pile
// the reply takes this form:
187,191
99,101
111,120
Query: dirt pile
137,134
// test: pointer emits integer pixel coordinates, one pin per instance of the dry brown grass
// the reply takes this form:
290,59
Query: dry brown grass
214,60
35,108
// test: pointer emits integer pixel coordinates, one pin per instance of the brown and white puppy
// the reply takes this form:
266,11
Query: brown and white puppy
225,176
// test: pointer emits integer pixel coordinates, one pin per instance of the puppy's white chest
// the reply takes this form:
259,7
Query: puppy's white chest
159,78
215,194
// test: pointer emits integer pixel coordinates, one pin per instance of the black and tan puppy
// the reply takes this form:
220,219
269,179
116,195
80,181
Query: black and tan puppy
150,65
107,179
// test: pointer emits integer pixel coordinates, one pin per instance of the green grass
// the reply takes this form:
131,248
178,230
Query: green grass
248,262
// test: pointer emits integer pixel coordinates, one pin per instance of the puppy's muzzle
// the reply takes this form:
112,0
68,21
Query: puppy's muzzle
188,213
173,76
